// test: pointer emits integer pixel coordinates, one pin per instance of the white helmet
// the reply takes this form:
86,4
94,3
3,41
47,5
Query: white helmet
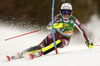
67,7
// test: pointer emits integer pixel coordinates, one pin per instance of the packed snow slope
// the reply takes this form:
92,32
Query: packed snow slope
76,54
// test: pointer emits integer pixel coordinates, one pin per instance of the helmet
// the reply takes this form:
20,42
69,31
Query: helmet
66,8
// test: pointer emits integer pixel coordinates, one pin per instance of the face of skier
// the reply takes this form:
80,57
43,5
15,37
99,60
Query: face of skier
65,16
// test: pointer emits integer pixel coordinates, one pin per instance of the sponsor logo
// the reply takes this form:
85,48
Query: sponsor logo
69,27
72,21
77,22
66,24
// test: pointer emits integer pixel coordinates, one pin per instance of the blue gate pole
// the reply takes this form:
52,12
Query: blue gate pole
53,26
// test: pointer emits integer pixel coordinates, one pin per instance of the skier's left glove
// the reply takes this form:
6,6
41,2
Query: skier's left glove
89,44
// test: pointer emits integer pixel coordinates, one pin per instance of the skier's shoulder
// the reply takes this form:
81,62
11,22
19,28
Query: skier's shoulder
76,21
56,17
74,17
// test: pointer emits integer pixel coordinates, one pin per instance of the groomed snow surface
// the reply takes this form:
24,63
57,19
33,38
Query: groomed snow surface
76,54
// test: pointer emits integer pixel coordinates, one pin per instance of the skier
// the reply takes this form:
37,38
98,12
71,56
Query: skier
62,35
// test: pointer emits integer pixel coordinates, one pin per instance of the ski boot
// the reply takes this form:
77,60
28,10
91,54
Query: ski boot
30,51
17,56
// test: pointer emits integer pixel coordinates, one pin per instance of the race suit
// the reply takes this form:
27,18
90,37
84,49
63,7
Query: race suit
64,33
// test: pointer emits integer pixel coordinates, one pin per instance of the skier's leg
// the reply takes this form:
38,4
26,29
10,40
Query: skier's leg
59,43
46,49
30,51
47,41
64,43
34,49
51,47
26,52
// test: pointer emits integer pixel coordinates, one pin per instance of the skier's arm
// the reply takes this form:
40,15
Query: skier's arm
50,24
79,26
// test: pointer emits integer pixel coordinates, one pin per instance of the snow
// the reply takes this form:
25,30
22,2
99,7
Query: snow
76,54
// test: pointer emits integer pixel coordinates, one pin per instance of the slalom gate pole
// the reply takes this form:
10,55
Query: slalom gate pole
24,34
53,1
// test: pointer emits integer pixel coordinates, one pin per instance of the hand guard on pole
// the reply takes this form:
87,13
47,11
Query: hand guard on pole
89,44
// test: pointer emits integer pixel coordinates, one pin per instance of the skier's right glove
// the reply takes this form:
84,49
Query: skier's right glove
89,44
56,26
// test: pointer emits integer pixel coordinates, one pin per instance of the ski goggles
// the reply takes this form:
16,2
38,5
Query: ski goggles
68,12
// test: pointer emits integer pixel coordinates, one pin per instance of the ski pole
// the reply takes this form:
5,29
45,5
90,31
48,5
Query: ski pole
56,25
53,26
96,45
24,34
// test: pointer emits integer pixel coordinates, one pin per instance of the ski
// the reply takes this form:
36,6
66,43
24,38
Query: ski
8,58
31,56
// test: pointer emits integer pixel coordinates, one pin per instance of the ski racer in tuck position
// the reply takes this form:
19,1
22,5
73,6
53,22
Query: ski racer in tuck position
62,35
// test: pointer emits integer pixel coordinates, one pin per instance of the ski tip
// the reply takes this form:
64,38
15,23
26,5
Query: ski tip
8,58
31,56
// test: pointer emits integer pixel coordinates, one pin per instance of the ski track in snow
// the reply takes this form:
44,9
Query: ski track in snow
76,54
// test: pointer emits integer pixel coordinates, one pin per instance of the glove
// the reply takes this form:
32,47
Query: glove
56,26
89,44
